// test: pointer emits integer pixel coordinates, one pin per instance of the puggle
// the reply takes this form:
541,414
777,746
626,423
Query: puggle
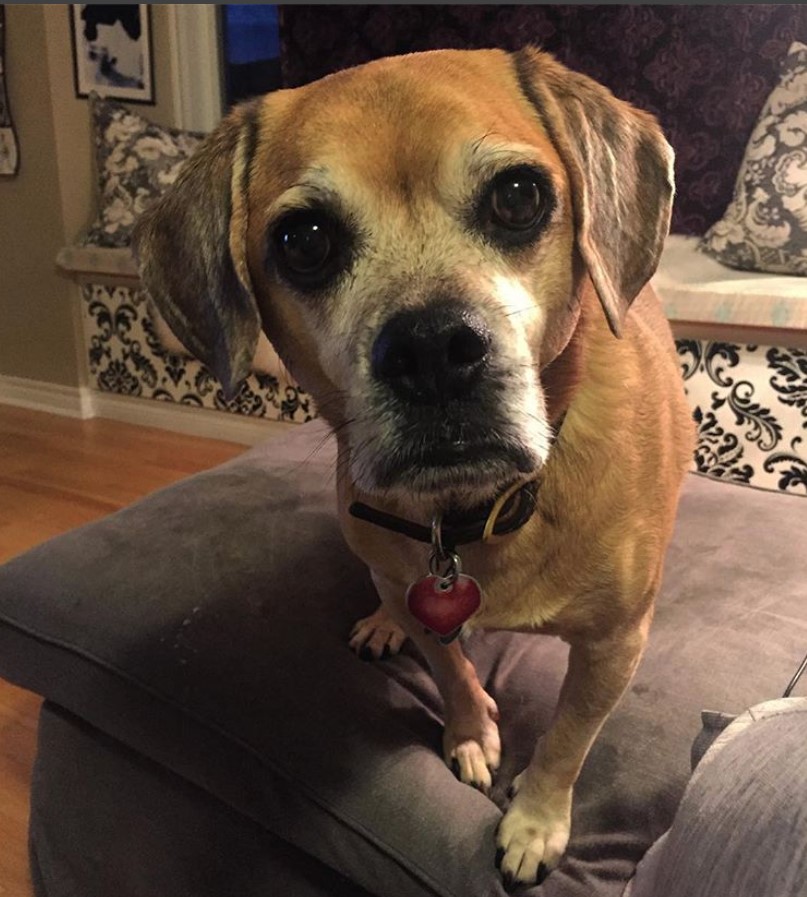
450,251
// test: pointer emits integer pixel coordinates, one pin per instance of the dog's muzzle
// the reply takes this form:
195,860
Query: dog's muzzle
442,392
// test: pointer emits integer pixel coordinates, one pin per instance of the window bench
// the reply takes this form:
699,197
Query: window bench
741,337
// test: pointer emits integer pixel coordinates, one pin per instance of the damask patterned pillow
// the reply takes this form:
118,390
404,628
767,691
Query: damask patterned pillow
136,160
765,226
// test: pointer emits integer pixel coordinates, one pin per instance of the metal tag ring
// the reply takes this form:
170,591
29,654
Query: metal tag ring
452,571
437,538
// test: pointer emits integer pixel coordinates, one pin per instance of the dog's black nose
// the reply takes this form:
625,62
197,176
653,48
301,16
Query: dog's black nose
431,355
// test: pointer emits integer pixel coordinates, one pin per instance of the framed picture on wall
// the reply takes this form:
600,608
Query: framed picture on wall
9,151
112,51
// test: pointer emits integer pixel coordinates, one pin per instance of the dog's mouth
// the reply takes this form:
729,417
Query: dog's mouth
478,465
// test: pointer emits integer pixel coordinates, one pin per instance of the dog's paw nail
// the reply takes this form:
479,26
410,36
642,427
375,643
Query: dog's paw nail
455,766
541,874
499,857
386,653
365,654
509,881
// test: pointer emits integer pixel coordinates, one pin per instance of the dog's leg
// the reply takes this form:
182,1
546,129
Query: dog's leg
535,830
377,637
471,745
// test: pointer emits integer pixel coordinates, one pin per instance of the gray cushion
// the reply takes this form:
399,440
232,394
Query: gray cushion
741,828
205,629
178,841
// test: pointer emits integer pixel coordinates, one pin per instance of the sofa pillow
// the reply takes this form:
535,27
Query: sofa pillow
765,226
136,161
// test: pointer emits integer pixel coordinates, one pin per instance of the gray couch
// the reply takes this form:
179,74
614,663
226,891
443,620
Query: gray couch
207,732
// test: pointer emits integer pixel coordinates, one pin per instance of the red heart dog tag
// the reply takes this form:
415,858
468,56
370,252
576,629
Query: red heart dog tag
442,605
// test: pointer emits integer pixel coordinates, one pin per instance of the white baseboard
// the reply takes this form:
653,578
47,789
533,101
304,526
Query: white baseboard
69,401
84,403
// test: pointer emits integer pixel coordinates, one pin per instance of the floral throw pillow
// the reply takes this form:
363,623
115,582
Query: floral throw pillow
765,226
136,161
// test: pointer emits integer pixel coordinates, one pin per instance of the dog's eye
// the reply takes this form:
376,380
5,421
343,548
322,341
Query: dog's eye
312,248
515,201
304,243
513,206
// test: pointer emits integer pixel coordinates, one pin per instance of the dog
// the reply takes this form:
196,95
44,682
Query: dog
451,252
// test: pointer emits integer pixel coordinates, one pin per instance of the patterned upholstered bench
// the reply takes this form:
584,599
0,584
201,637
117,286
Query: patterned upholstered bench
125,354
742,338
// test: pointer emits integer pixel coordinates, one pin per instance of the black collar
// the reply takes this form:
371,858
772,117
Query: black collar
459,529
463,528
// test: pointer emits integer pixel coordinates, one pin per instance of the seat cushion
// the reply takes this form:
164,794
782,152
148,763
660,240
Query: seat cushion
695,288
205,629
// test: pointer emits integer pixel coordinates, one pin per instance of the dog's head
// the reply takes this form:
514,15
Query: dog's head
412,236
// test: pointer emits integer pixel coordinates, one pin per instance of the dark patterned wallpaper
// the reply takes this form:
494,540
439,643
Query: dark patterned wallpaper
705,71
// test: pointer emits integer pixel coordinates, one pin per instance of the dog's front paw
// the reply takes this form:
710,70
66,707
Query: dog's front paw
533,834
377,636
471,743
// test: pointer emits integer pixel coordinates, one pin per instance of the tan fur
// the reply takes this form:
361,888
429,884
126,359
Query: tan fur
401,144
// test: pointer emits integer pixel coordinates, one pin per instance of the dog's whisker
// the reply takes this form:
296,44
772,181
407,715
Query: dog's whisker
330,434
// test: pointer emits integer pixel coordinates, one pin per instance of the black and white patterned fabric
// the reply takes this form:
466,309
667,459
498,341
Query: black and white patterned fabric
750,406
765,225
749,402
126,358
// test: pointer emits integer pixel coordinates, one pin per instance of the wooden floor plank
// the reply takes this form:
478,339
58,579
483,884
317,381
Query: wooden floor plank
57,473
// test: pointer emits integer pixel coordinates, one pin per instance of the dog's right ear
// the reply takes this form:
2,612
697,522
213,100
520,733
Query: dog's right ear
191,248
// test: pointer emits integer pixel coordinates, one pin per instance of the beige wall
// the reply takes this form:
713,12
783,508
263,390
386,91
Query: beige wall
36,320
53,197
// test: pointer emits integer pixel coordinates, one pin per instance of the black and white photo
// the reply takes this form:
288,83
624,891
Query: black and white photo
112,51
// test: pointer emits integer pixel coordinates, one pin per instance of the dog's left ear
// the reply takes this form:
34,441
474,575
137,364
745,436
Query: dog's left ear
191,248
621,171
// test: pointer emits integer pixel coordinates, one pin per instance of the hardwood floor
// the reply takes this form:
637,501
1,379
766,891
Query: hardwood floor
55,474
